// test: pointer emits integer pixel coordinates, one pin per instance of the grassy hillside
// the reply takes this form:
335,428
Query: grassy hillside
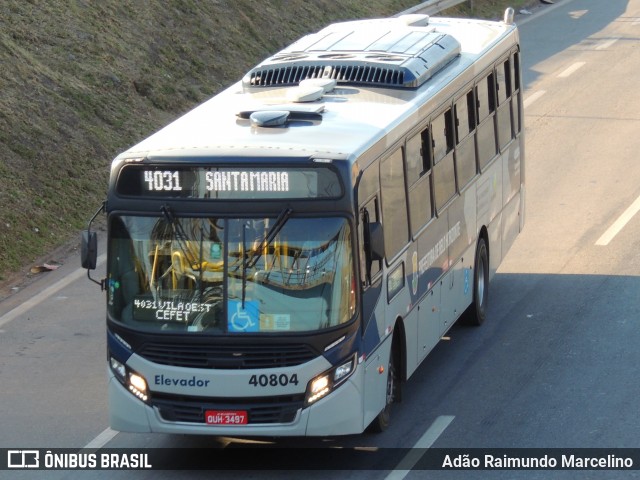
82,80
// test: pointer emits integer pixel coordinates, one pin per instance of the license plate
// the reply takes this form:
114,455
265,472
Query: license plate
226,417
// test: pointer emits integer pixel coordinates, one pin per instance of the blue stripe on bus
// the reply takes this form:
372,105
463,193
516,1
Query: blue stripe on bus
371,337
117,349
344,349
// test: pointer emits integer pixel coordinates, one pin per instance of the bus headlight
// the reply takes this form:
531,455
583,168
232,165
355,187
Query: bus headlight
118,369
132,381
328,381
138,386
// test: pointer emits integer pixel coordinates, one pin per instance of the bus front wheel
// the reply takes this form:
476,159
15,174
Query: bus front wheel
477,311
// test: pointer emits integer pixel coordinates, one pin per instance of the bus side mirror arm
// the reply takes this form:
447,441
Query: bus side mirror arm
89,249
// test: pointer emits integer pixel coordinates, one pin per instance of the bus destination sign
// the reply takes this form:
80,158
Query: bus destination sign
217,181
227,183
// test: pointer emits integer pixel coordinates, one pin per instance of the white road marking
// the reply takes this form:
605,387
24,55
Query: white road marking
619,224
541,12
46,293
429,437
532,98
101,440
578,14
606,43
572,69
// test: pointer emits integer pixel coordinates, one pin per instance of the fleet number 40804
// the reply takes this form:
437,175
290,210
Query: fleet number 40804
273,380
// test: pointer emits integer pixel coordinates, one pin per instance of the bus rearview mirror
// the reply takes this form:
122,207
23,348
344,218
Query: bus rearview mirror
89,250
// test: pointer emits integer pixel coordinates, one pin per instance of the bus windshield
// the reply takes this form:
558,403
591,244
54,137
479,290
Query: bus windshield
230,276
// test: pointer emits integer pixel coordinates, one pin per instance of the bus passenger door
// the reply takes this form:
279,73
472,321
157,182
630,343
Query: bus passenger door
373,314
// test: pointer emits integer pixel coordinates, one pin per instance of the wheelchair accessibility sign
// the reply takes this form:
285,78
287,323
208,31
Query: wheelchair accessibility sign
243,319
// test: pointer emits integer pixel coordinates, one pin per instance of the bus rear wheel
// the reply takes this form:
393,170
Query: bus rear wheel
477,311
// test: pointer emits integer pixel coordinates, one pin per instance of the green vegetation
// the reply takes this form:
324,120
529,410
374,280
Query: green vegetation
82,81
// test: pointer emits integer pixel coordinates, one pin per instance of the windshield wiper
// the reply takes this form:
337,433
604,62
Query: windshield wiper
169,217
180,234
255,256
268,238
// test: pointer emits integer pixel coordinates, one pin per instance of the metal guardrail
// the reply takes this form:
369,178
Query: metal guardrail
430,7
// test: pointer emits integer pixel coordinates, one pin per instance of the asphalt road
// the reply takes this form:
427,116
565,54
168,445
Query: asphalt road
555,364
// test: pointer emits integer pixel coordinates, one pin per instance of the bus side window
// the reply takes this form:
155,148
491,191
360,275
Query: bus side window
503,74
503,83
369,212
486,136
442,131
444,178
465,142
485,91
418,165
515,78
394,204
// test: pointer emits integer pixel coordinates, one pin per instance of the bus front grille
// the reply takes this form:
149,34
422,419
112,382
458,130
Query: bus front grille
227,356
178,408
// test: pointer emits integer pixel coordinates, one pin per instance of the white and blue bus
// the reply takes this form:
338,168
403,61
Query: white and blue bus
281,259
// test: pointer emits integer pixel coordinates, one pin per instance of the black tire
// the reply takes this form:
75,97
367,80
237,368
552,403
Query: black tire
383,420
477,312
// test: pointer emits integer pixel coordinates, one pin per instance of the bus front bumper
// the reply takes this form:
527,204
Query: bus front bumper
339,413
